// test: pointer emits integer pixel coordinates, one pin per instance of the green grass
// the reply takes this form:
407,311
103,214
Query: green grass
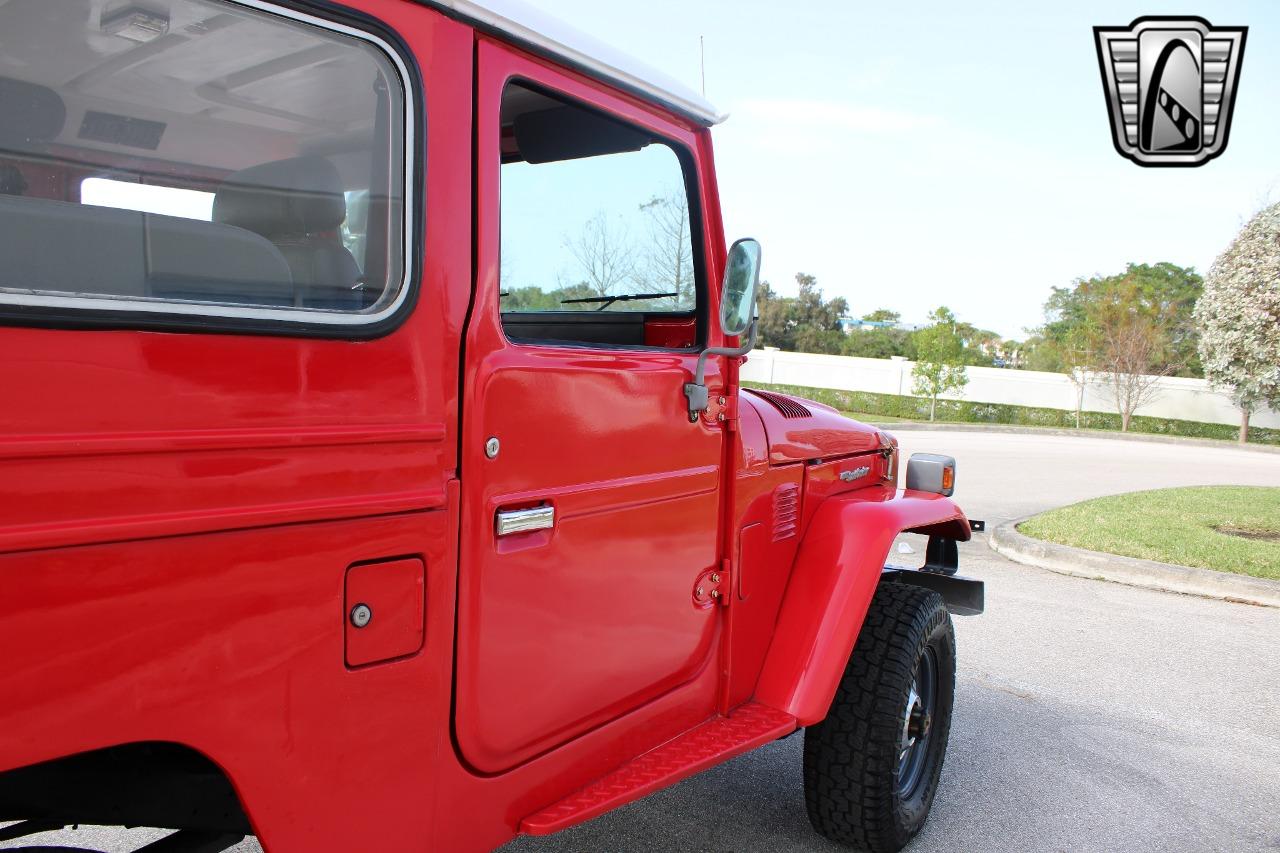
1180,526
885,408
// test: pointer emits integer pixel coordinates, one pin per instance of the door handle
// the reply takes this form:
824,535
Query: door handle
523,520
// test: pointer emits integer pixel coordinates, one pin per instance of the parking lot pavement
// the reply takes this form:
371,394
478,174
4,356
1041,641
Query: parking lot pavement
1089,715
1002,476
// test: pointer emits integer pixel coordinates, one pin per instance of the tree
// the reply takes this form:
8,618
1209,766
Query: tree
939,365
883,342
1129,349
604,253
803,323
814,311
1164,293
979,345
666,263
534,298
882,315
1239,318
1077,361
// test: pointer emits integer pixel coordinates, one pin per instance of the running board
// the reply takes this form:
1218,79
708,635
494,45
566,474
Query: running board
711,743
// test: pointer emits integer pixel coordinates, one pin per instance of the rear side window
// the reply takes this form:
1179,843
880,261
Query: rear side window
201,157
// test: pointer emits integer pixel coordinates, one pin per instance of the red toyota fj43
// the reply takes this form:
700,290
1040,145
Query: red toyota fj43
376,475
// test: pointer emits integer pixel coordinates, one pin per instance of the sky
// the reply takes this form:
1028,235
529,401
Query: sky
911,155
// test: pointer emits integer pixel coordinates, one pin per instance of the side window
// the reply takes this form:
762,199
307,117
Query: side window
200,157
597,229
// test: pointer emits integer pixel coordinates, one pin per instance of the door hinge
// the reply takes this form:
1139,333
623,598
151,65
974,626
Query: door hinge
712,587
727,406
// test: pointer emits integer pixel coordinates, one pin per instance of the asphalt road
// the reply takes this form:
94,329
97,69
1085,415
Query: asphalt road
1089,715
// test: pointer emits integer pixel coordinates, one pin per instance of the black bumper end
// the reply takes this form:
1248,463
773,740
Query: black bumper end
963,596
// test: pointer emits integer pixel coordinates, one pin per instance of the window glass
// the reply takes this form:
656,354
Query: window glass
147,198
198,156
595,220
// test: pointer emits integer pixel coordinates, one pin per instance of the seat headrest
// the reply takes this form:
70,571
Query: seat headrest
29,113
286,198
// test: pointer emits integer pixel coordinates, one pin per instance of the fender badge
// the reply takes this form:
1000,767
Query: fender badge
855,474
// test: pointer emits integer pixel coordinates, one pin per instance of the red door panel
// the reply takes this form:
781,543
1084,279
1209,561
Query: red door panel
578,624
565,628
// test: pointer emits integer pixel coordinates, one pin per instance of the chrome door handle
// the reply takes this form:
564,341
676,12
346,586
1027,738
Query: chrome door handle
523,520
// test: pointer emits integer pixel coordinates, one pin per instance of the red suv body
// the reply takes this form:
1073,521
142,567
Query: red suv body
306,531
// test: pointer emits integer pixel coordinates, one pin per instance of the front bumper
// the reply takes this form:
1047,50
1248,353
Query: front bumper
963,596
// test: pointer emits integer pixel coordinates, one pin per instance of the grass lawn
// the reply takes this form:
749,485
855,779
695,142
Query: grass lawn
1188,527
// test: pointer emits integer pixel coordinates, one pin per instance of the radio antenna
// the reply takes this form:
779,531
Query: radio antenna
702,54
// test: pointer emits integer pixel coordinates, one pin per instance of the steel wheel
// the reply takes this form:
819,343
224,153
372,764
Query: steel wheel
917,724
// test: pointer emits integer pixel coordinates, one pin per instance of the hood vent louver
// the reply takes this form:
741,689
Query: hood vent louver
790,408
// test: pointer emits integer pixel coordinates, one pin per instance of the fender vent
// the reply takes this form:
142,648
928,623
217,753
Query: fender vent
789,407
786,511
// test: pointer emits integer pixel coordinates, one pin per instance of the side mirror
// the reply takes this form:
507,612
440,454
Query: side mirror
737,316
741,280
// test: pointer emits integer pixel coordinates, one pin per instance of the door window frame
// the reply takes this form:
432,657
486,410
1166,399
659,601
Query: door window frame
507,65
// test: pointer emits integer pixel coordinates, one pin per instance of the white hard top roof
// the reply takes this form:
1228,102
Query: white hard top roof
546,34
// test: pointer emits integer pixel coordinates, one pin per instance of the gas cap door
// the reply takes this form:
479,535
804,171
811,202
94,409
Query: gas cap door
383,610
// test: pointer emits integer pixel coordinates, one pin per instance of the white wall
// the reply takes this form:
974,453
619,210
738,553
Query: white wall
1184,399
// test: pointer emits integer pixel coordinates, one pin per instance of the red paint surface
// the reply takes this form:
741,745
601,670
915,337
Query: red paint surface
823,435
671,333
835,575
714,741
593,620
179,515
394,591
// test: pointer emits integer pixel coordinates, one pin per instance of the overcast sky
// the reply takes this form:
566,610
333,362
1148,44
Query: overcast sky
926,153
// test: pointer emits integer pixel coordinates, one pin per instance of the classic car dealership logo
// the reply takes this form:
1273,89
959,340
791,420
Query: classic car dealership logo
1170,85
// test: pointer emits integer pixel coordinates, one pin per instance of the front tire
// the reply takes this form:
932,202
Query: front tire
871,768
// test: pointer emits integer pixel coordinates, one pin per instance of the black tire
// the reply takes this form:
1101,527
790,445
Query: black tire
858,788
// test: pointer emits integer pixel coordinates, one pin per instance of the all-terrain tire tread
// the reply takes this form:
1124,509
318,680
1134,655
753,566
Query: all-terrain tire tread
851,756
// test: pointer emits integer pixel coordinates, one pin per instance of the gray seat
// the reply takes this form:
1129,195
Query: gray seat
62,247
299,205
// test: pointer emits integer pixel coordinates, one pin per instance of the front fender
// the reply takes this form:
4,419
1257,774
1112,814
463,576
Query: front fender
832,582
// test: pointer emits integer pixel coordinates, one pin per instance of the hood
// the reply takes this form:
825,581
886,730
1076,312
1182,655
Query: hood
800,430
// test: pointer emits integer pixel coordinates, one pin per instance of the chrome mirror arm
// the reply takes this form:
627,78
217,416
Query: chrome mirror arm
696,391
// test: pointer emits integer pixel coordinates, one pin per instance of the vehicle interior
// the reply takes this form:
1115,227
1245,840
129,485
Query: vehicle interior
617,262
197,152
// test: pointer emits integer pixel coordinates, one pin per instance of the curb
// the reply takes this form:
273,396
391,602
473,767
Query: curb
1181,441
1241,589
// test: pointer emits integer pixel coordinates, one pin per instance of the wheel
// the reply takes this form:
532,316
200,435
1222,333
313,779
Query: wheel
871,767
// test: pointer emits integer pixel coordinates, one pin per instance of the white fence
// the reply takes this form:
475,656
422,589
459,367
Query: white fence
1184,399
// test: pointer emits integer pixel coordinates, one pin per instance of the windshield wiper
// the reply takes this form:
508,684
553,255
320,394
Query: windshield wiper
609,300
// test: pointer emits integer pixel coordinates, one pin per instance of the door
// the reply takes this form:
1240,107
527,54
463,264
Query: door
591,503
